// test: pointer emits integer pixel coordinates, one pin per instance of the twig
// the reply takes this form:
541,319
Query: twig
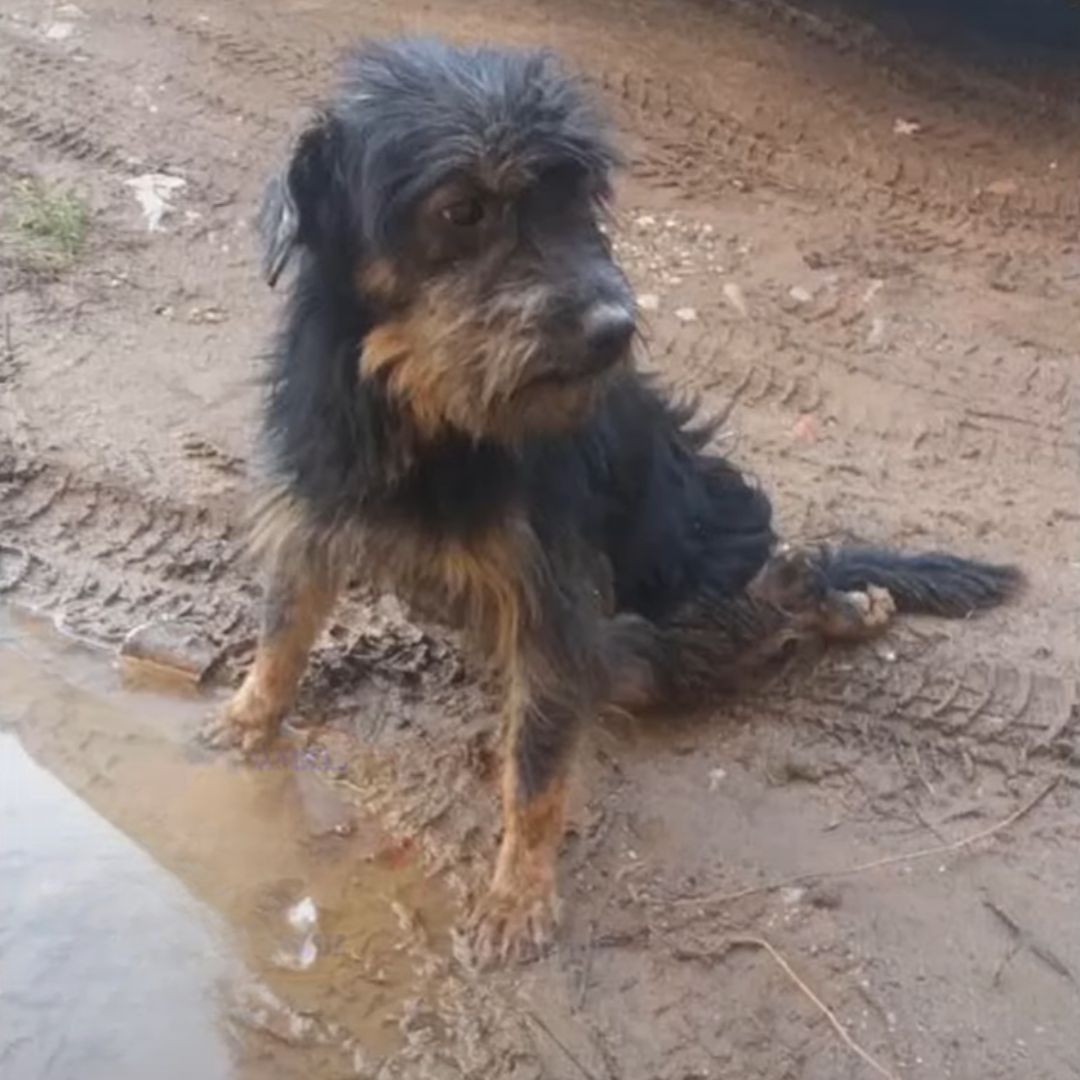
874,864
580,1065
586,967
1023,939
834,1022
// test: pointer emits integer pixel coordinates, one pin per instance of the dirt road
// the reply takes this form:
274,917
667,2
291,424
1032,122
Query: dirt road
868,253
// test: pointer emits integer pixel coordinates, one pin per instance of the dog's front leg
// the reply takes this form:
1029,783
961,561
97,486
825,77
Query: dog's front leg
299,596
517,918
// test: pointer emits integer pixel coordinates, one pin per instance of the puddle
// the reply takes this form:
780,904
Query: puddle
164,909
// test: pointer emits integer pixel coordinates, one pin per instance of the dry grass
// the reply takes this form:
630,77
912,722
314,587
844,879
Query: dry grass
46,226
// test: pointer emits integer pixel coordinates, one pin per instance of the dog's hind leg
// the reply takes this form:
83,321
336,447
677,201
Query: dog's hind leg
299,597
717,641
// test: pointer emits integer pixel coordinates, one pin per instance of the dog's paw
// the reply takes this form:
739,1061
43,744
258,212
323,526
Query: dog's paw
792,580
247,723
510,927
855,615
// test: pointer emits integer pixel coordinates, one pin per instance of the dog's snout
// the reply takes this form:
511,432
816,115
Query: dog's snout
608,329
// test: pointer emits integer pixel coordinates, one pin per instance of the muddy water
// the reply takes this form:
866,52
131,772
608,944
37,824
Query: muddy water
168,913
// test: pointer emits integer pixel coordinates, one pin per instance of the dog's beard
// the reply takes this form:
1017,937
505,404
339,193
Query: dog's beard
486,370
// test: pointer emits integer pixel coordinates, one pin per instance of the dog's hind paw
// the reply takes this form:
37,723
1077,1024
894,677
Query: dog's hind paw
851,616
792,580
507,927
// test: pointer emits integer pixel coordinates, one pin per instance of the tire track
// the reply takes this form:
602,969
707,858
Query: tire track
975,712
701,149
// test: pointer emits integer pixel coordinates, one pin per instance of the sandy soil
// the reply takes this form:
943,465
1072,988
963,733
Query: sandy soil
866,249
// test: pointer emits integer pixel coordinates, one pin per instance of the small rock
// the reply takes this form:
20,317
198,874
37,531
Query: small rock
648,302
1002,187
59,31
906,127
734,296
207,315
174,646
686,314
800,295
645,221
806,429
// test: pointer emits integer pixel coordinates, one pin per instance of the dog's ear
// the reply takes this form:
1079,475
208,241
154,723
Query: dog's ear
299,204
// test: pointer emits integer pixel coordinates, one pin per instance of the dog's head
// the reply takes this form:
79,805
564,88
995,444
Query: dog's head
458,196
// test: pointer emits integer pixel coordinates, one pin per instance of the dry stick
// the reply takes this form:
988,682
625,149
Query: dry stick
761,943
875,864
573,1058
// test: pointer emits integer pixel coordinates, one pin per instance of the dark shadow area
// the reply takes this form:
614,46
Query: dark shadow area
1021,31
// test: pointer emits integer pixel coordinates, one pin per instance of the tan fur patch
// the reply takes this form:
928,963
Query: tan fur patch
532,834
379,279
451,367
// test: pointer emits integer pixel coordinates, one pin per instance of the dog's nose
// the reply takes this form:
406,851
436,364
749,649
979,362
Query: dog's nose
608,330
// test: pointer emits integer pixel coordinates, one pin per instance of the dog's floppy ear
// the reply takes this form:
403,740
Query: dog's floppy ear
298,206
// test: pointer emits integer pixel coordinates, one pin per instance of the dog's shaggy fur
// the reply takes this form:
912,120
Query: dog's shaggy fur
454,413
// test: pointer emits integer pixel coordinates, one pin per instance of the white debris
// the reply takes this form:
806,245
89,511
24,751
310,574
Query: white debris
875,286
906,127
648,302
876,337
70,11
686,314
303,915
734,296
154,192
716,778
645,221
800,295
59,31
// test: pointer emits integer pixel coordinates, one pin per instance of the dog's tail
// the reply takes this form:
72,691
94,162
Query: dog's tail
933,583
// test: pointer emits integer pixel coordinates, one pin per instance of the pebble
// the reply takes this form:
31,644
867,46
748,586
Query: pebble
175,645
806,429
648,302
734,296
1002,187
59,31
800,295
686,314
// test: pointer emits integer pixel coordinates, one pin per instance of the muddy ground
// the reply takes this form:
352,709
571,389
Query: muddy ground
863,246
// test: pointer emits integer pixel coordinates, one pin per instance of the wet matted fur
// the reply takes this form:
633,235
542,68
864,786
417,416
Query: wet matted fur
454,413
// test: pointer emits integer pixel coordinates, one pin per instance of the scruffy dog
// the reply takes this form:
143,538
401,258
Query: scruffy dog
454,414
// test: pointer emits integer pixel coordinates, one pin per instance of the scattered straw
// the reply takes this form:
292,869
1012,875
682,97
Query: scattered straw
834,1022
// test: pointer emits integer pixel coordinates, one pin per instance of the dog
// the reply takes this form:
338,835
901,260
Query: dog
454,414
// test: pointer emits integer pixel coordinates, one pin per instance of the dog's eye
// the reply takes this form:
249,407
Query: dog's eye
465,213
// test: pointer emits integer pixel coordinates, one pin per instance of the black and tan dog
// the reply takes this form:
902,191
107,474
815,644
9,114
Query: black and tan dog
455,415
